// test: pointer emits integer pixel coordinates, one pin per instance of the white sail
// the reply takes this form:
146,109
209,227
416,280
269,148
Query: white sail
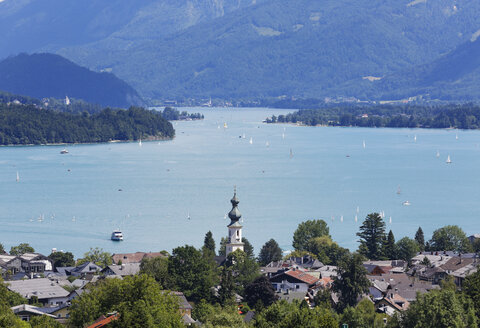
415,138
448,159
267,144
438,154
390,220
140,143
251,140
341,218
364,145
18,177
356,218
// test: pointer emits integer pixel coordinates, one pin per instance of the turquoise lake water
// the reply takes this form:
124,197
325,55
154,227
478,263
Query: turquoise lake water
162,183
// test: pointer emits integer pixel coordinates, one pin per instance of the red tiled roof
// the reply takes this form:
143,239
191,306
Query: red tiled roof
302,276
134,257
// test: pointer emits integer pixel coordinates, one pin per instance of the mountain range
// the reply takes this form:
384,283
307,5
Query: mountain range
166,49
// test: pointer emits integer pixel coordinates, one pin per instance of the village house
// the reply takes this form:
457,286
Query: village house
293,280
134,257
400,284
29,263
81,270
391,304
44,290
25,312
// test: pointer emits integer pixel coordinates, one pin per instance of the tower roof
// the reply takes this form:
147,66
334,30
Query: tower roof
234,213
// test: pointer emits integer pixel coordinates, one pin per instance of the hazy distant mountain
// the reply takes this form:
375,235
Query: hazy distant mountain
455,75
49,75
246,48
48,25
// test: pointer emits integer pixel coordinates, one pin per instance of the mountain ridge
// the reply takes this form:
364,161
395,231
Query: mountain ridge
49,75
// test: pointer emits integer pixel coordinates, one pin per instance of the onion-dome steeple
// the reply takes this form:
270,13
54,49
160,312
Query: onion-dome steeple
234,214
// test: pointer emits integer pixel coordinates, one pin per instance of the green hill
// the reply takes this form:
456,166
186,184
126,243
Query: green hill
49,75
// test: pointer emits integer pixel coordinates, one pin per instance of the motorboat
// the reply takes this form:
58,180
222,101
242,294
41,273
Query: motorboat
64,151
406,203
117,235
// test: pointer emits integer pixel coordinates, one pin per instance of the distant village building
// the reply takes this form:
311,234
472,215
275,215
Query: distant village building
134,257
234,228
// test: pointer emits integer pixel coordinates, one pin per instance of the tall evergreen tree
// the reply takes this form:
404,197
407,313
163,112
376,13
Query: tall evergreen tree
209,242
389,248
372,234
270,252
248,248
420,239
227,286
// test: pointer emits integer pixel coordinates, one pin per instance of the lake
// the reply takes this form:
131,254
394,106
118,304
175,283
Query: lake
287,174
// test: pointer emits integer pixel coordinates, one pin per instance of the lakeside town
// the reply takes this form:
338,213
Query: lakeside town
385,283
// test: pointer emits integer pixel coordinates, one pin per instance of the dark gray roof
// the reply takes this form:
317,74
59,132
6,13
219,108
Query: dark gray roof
249,316
87,267
127,269
42,288
182,301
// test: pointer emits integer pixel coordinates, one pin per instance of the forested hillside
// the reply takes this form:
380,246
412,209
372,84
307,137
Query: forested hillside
22,125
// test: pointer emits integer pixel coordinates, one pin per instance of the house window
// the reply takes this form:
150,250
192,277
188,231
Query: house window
297,286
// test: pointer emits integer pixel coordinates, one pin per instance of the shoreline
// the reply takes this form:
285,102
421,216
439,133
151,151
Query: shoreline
91,143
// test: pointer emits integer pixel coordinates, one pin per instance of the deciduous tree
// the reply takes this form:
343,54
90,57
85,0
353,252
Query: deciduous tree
21,249
440,309
351,281
98,256
450,238
260,290
61,259
325,250
308,230
191,273
139,300
157,268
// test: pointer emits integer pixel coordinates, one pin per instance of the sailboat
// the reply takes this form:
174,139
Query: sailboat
456,136
399,191
448,161
438,154
243,136
341,218
283,135
140,143
356,218
267,144
291,153
188,216
364,145
18,177
251,140
225,125
390,220
415,138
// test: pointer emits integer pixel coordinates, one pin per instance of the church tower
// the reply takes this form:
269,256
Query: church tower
234,228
